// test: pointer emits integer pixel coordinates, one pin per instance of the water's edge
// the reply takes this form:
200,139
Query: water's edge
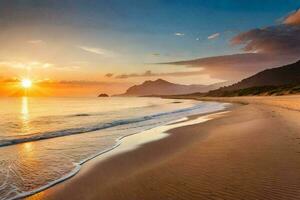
117,144
75,131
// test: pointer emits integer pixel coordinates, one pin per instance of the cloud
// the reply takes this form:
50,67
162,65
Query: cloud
230,67
261,48
48,87
293,18
36,42
280,40
213,36
149,73
99,51
62,82
155,54
179,34
25,65
10,80
109,75
38,65
67,68
79,82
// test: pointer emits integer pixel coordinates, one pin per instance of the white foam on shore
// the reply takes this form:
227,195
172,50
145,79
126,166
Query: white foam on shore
125,143
126,146
96,127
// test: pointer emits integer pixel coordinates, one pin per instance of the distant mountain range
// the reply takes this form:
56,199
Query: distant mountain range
289,74
163,87
275,81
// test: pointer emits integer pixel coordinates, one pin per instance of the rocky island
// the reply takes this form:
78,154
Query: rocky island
103,95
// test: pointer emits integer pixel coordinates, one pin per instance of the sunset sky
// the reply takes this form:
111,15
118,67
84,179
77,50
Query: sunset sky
88,47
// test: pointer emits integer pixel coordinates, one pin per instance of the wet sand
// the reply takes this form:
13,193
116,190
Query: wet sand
251,152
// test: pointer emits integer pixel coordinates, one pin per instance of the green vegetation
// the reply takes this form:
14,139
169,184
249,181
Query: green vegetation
256,91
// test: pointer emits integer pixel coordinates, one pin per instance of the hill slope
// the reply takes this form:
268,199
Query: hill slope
162,87
286,75
275,81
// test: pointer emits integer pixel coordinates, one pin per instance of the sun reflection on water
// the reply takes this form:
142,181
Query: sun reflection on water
27,147
25,115
24,108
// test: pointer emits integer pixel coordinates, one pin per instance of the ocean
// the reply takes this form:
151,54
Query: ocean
45,140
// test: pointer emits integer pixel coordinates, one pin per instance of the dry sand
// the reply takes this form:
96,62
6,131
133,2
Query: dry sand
251,153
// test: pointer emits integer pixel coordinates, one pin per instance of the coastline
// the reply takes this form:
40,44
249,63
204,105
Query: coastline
114,150
131,174
122,147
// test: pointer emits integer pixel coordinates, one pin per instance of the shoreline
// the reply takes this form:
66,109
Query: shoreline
133,170
70,132
113,151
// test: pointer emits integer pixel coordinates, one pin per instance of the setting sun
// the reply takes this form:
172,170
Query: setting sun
199,100
26,83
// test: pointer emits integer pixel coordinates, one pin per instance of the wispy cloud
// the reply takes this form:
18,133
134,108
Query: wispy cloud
179,34
213,36
99,51
36,42
155,54
48,81
67,68
261,48
25,65
109,75
39,65
149,73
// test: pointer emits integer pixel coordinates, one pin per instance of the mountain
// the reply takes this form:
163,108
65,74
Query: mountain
162,87
286,75
280,80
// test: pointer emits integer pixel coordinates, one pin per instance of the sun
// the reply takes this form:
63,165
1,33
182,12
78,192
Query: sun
26,83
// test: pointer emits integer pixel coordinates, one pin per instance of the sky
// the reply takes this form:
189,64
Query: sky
82,48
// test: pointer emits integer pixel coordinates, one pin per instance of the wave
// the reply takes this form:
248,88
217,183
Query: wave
105,113
96,127
76,169
198,109
77,166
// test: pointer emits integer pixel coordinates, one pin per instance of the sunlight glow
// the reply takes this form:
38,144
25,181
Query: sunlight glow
26,83
25,115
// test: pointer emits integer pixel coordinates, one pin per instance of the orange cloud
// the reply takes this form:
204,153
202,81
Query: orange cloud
293,19
279,40
149,73
11,87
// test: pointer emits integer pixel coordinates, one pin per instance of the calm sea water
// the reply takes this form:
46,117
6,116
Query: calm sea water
45,140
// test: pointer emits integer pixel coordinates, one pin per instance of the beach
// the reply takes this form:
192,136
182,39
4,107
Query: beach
150,100
40,149
250,152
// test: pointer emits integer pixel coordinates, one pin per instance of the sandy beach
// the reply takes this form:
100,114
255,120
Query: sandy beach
251,152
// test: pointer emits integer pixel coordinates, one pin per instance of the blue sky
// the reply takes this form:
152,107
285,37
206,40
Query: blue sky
148,26
128,36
